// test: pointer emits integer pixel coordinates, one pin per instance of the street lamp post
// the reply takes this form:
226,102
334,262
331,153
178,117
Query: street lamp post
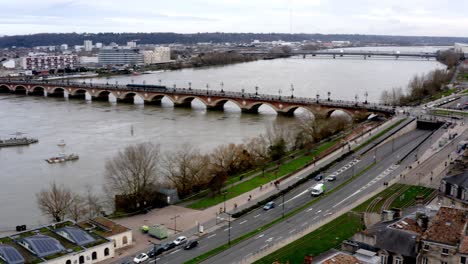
282,194
154,250
160,81
242,90
256,90
190,85
279,92
366,94
292,91
229,229
222,86
318,97
175,222
224,195
329,93
356,98
207,87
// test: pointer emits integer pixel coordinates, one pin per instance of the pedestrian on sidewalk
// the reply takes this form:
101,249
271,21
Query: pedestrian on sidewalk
261,186
235,206
250,198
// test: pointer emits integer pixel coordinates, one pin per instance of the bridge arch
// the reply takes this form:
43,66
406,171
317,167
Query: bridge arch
290,110
254,107
338,111
156,99
37,90
20,89
103,95
186,101
130,97
219,104
78,94
5,89
57,92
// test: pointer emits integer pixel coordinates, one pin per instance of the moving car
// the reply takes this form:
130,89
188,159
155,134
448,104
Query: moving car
180,240
155,251
269,205
140,258
330,178
319,177
317,190
191,244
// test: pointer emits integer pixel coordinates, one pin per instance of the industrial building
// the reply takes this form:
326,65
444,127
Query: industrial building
120,56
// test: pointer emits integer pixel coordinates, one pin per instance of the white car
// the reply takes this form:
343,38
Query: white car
140,258
180,240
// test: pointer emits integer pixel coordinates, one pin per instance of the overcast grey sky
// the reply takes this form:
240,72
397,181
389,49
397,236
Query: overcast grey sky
384,17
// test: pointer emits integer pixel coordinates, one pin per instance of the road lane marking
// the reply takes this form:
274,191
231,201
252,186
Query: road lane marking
310,209
260,236
304,224
227,229
302,193
174,251
315,218
243,222
292,231
269,240
318,212
257,216
279,238
264,246
211,236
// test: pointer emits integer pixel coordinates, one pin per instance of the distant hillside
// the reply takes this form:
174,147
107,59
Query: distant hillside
47,39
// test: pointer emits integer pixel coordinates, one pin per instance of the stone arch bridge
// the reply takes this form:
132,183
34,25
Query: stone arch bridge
183,97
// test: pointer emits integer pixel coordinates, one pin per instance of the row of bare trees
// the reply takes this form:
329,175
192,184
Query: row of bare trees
138,171
419,88
59,202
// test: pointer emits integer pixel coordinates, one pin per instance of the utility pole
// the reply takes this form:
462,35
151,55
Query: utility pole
224,195
175,222
229,229
282,194
154,250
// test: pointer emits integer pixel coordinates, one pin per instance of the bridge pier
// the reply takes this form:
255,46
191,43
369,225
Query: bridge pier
184,104
153,102
250,111
285,114
215,107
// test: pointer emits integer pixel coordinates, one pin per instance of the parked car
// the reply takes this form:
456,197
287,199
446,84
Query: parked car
269,205
180,240
330,178
155,251
140,258
319,177
169,246
191,244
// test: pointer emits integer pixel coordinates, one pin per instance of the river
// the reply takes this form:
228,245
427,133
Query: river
97,130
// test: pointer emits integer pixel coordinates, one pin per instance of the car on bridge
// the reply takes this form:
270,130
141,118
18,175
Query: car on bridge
269,205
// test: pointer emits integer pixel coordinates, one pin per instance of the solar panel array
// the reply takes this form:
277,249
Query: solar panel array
78,236
44,245
11,255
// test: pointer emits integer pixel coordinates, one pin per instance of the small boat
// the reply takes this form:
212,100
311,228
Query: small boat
62,158
61,143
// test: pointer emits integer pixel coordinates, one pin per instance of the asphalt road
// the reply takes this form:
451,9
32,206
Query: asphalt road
386,156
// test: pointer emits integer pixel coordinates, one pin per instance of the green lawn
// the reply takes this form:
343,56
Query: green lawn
257,181
318,241
409,197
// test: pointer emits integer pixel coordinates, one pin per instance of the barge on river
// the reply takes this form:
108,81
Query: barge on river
13,142
62,158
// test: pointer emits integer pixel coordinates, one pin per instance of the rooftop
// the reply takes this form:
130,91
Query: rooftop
464,245
103,226
407,224
460,179
341,258
447,226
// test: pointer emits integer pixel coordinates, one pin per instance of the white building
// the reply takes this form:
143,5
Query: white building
47,62
461,47
88,45
98,45
9,64
89,61
64,47
158,55
131,44
67,243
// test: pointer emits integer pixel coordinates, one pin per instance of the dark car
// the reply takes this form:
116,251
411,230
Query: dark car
191,244
168,246
319,177
155,251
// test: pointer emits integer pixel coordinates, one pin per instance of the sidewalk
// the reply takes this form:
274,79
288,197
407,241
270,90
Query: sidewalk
188,219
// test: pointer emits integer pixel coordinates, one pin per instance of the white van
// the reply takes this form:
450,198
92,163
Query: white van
317,190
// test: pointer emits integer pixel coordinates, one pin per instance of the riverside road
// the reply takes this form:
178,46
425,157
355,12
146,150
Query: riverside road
386,156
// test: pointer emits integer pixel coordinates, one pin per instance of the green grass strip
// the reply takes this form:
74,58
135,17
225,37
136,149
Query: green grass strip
381,133
286,216
248,185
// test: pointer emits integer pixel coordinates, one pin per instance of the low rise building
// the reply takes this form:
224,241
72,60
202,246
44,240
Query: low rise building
120,56
47,62
65,243
158,55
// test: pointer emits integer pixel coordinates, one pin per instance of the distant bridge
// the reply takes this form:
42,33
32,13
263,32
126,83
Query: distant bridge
182,97
340,53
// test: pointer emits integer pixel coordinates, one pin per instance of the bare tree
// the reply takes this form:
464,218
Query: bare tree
92,202
186,169
230,158
133,173
55,201
77,209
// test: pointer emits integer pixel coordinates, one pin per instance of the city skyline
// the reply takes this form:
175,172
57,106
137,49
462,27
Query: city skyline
410,18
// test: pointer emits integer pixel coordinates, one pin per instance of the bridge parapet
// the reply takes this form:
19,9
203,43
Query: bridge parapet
213,99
